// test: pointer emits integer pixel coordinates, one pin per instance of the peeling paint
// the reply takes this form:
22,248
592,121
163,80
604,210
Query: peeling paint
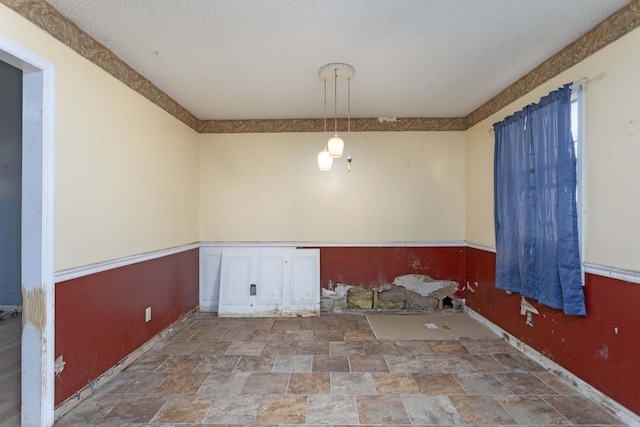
603,353
34,306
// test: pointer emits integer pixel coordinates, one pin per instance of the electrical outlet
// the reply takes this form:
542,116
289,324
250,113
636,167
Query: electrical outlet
147,314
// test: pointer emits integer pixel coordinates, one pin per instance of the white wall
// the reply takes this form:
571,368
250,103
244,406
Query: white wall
404,186
612,156
126,171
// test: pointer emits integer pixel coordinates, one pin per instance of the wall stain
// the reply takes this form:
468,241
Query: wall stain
34,307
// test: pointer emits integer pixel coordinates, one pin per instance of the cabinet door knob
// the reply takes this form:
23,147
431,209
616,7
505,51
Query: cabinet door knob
252,289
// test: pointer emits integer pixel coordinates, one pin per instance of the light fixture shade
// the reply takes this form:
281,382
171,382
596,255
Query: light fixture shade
324,160
336,146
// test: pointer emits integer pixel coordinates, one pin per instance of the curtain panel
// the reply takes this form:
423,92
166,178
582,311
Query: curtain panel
535,211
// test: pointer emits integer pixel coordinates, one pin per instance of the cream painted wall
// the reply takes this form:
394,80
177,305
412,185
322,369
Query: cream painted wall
126,171
612,156
404,186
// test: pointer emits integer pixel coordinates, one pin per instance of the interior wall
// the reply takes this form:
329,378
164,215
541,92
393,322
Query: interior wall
403,187
10,184
612,153
599,348
126,170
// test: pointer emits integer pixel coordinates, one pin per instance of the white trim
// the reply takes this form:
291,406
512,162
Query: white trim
587,389
38,185
74,273
431,244
481,246
613,272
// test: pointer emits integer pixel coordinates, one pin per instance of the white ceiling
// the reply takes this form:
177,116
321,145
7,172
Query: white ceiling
259,59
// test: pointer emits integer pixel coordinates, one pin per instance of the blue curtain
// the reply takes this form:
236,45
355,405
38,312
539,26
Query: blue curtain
536,225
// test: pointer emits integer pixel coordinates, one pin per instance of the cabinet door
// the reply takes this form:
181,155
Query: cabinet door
210,259
235,281
304,282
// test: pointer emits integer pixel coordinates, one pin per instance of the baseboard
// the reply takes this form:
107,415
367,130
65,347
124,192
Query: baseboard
585,388
103,379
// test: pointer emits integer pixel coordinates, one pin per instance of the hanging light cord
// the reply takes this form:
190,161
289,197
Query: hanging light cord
325,105
348,105
335,100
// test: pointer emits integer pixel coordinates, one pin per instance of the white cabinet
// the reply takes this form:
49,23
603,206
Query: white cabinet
210,258
269,282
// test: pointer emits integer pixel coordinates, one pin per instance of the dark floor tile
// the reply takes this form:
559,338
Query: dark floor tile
524,383
580,410
278,348
518,363
216,363
447,347
313,347
182,383
368,364
481,410
330,364
329,335
309,383
438,384
381,410
135,409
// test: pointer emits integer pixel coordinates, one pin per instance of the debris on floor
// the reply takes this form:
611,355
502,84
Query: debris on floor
407,292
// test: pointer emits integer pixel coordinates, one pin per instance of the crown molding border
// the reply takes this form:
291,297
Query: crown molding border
45,16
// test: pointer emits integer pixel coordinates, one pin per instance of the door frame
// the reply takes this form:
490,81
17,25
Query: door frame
38,185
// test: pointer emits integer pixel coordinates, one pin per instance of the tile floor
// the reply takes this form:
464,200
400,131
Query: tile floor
330,370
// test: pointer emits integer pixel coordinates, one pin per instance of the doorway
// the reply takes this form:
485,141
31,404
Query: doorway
36,231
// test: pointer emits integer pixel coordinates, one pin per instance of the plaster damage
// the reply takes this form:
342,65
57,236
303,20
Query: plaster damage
34,307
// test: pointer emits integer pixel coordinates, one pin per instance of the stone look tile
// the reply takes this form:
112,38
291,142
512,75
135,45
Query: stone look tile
330,409
330,364
216,363
212,348
341,348
387,383
135,409
524,383
481,410
233,410
313,347
296,363
531,410
179,348
238,335
482,363
208,335
447,347
183,409
290,409
381,410
268,335
254,364
580,410
556,383
409,364
309,383
134,382
368,364
481,384
352,383
179,363
266,383
182,383
438,384
276,348
224,383
359,335
286,324
298,335
92,409
380,348
245,348
518,363
329,335
149,362
427,410
413,348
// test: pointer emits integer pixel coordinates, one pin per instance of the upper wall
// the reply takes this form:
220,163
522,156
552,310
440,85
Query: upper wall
126,170
404,187
612,155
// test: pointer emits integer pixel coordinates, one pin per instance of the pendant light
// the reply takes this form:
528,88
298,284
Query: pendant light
335,146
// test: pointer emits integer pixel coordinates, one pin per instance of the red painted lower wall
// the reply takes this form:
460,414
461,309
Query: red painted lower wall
370,267
99,318
601,348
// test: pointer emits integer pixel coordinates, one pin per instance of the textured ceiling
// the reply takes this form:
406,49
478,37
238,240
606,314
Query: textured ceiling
250,59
